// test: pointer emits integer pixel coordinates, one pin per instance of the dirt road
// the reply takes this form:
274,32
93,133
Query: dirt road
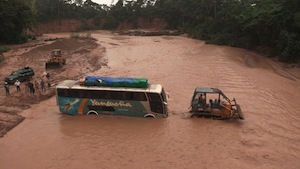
268,138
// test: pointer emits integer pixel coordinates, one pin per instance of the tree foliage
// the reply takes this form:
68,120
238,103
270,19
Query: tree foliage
62,9
272,24
15,16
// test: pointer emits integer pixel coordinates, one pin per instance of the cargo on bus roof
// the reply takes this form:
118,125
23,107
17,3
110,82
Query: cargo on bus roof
116,82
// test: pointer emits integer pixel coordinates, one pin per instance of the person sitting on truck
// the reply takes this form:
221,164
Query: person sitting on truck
201,101
211,104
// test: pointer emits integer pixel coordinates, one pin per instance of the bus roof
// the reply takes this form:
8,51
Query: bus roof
72,84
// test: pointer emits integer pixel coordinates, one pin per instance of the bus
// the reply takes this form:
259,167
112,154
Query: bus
73,98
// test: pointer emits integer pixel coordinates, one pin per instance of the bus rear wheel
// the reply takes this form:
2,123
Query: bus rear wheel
92,112
149,116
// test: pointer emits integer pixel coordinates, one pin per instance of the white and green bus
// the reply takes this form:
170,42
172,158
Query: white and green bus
76,99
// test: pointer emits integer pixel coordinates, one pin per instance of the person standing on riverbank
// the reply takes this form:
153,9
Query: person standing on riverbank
17,84
37,85
6,89
43,85
31,88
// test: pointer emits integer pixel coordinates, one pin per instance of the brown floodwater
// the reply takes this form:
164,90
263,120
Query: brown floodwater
269,137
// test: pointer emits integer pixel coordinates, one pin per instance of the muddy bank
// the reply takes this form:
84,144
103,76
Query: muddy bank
80,60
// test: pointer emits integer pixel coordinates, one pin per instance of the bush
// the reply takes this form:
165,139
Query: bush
3,49
110,23
289,46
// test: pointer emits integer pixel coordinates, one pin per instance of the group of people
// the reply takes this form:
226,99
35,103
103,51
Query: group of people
212,104
36,86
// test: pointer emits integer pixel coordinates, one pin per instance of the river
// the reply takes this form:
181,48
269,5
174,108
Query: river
269,137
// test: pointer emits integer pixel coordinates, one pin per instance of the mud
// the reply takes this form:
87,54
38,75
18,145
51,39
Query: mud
35,54
267,138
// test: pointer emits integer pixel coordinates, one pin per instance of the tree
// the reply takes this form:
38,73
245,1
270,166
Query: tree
15,17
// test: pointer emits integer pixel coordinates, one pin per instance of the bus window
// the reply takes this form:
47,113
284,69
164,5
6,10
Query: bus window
98,94
127,95
63,92
74,93
155,101
154,97
117,95
105,95
94,94
84,94
139,96
78,93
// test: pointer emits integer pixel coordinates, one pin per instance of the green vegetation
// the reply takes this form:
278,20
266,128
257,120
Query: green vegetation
3,49
253,24
15,17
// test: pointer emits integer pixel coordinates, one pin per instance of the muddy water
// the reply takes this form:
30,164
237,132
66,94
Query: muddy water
268,138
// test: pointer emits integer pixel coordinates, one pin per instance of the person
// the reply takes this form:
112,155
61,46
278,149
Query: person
201,101
37,85
43,85
49,84
17,84
210,103
31,88
6,89
48,75
201,98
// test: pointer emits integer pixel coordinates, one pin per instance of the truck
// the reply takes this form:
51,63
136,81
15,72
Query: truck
56,60
212,102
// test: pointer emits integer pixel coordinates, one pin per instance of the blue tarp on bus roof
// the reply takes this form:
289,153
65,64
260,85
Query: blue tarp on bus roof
116,82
